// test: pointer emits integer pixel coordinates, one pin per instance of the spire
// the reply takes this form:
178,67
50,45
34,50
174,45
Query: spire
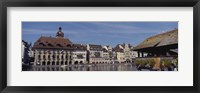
60,33
60,29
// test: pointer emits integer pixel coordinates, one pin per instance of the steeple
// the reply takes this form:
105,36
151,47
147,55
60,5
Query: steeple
60,33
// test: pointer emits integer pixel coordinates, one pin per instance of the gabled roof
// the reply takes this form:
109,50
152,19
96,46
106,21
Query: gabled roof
52,42
79,47
164,39
105,50
118,48
95,47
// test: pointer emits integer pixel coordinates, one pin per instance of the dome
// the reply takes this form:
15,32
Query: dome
60,33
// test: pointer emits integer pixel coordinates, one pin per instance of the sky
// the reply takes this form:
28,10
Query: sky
101,33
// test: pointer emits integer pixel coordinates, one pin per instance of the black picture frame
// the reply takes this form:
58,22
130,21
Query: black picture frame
98,3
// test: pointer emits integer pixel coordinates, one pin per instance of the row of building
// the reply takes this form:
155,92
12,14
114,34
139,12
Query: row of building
61,51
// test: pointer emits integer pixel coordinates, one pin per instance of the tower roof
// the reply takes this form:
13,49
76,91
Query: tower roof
60,33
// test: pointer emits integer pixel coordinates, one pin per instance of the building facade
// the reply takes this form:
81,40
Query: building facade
133,54
125,53
79,54
95,54
53,50
120,55
26,52
61,51
106,55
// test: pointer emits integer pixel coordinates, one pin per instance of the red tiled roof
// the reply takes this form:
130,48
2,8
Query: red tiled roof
118,49
52,42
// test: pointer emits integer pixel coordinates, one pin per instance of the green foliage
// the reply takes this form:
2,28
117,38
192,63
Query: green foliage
151,62
144,62
137,62
176,62
166,62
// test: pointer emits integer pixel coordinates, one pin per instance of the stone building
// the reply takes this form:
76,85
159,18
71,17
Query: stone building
106,55
127,52
133,54
79,54
120,55
26,52
53,50
95,53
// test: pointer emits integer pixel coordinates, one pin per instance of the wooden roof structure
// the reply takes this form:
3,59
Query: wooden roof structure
160,40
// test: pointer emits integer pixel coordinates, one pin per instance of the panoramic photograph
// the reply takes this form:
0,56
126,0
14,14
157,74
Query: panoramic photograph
99,46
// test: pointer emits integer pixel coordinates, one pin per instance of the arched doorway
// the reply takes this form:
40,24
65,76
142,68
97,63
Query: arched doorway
127,61
70,62
48,63
76,62
66,63
53,63
81,62
44,57
57,63
43,63
62,63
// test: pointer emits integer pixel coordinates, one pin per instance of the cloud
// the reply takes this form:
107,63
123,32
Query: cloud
41,31
114,25
116,28
83,28
98,32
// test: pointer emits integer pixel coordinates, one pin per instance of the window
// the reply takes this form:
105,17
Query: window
41,44
62,57
57,56
43,56
59,45
39,57
66,56
49,57
53,56
39,52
